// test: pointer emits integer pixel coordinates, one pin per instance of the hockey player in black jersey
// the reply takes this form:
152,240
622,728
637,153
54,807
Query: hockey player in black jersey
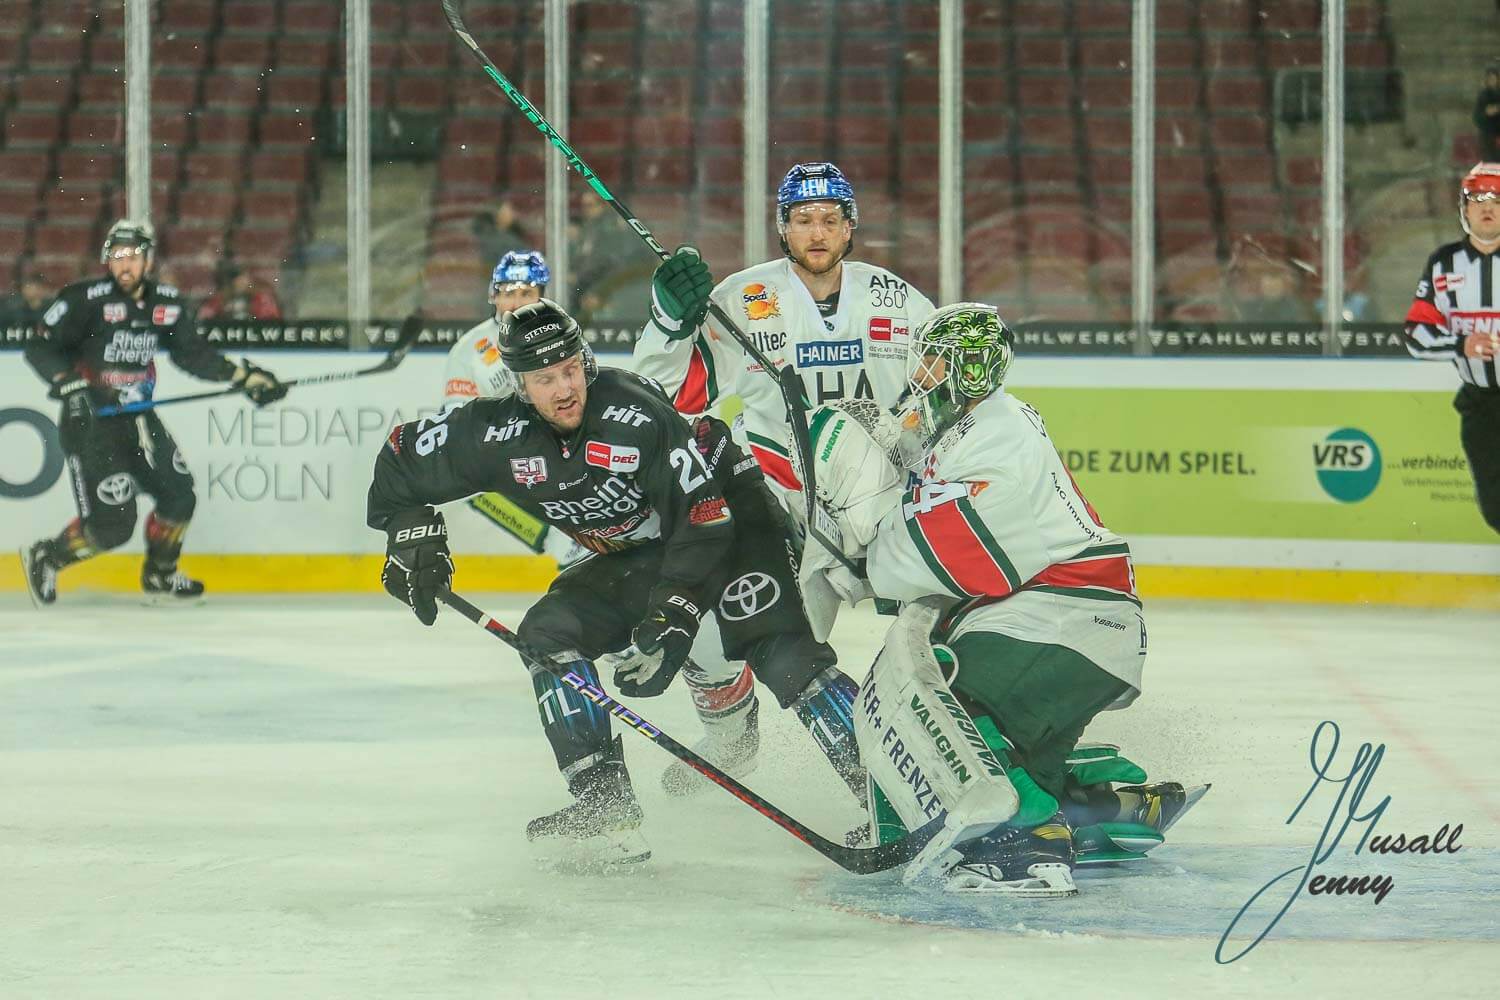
97,346
681,522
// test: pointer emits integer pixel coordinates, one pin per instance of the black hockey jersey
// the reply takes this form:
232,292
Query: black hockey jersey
95,330
631,475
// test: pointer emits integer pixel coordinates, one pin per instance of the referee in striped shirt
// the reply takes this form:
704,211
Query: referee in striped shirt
1456,317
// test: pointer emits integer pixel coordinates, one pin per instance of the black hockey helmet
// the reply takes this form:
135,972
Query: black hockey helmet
540,334
129,233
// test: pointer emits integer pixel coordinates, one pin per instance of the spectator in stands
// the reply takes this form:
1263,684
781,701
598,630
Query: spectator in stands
238,296
1266,292
499,230
23,307
1487,114
608,259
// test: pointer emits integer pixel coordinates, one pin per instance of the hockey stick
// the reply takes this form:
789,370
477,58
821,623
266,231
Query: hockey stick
786,378
861,861
410,329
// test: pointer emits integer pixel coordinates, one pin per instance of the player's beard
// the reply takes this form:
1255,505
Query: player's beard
833,260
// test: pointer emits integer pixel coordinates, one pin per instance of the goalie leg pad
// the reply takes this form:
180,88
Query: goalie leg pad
921,746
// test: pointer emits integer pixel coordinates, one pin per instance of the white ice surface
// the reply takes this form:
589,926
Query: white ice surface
316,797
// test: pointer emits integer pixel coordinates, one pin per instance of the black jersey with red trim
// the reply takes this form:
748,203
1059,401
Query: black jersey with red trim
111,338
1455,299
634,473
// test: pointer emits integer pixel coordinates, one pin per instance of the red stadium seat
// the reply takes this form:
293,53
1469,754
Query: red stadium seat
209,205
66,240
179,52
306,53
232,91
32,128
222,127
288,128
208,167
97,128
88,165
312,18
185,18
54,48
421,91
293,88
278,167
249,17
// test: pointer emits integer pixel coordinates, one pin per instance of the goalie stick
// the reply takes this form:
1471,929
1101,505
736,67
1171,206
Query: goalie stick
860,861
786,378
410,329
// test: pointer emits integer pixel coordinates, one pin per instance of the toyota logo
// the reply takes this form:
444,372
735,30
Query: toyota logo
116,489
749,595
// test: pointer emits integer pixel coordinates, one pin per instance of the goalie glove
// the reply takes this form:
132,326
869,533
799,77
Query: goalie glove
826,586
417,562
855,479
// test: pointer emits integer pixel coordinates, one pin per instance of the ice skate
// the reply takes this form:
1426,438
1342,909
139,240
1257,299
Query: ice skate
1032,863
601,829
1163,803
736,754
41,573
164,588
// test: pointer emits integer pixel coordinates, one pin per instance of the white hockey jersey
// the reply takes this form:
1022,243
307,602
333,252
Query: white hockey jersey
859,350
994,519
474,367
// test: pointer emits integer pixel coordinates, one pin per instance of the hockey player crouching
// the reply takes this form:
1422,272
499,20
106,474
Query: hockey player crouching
677,516
1022,620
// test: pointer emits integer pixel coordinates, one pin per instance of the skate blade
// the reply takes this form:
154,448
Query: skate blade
1043,880
1190,799
170,601
36,600
611,853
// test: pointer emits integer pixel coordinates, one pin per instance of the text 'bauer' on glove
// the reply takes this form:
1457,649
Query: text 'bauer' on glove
417,562
680,287
664,638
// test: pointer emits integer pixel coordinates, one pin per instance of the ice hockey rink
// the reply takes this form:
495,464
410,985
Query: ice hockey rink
317,797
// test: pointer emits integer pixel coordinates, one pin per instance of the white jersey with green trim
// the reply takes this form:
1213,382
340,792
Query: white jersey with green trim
474,367
994,519
859,350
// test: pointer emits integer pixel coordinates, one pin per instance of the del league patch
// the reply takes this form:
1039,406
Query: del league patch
165,315
614,457
883,328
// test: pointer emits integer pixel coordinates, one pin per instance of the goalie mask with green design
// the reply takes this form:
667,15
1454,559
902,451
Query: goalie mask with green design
959,354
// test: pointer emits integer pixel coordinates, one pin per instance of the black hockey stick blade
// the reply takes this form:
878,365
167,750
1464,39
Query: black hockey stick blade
860,861
411,328
796,408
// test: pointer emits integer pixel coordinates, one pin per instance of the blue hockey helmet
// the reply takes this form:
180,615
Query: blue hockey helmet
520,267
814,182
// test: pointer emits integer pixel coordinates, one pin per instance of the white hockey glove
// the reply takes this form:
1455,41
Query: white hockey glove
826,585
855,478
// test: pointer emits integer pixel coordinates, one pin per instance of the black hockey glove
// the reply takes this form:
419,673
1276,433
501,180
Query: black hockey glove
417,563
77,412
260,385
679,293
664,638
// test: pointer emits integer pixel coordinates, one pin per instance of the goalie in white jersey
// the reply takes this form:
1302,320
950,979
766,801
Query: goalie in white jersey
842,324
1022,620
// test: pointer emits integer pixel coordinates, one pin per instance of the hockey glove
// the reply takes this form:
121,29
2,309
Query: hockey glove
417,563
77,412
679,293
664,638
260,385
638,674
